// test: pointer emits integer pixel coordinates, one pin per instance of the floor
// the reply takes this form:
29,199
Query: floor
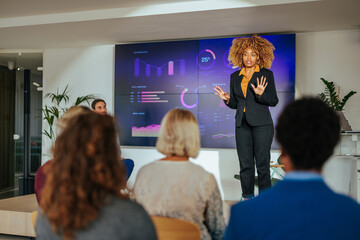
8,193
10,237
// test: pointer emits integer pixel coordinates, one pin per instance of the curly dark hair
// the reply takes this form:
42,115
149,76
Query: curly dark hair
85,172
308,131
262,47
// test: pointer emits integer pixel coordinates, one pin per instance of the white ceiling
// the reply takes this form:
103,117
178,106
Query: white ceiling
42,24
20,8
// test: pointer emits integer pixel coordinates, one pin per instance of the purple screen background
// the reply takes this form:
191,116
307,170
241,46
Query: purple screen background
152,78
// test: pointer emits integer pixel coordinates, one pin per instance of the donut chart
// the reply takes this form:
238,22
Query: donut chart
206,59
183,102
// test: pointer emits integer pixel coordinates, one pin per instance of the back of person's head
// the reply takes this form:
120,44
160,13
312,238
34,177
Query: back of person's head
85,171
40,177
93,104
179,134
71,112
308,131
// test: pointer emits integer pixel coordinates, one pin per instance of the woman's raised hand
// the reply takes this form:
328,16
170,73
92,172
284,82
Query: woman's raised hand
260,88
223,95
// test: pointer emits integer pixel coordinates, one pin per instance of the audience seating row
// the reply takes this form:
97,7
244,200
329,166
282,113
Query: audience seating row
166,228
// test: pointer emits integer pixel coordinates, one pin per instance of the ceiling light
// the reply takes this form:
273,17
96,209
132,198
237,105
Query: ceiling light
36,84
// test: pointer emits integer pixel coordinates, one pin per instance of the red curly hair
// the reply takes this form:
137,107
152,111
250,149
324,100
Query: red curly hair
85,172
263,48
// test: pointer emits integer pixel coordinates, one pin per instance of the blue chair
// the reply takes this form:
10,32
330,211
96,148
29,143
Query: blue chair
129,165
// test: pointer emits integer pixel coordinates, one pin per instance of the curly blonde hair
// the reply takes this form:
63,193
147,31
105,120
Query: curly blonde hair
263,48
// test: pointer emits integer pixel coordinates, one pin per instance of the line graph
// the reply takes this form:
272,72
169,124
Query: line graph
148,131
222,135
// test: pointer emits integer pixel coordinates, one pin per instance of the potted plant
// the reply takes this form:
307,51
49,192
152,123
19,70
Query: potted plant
332,98
59,101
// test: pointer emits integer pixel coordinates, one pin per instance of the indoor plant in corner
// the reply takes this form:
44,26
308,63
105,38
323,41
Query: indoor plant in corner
59,101
333,100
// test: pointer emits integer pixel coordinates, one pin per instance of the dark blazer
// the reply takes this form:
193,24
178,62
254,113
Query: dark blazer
307,209
257,108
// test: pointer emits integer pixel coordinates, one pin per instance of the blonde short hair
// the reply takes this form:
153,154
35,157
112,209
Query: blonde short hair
179,134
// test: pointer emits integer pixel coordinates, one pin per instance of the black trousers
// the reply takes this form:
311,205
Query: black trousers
254,142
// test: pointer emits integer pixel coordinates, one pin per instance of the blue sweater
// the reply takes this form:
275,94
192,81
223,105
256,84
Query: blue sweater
296,209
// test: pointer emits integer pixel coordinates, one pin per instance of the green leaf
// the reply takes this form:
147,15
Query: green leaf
332,98
51,121
46,133
59,99
85,98
329,95
54,111
345,99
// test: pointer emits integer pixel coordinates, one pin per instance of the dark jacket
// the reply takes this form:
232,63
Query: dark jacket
257,108
309,210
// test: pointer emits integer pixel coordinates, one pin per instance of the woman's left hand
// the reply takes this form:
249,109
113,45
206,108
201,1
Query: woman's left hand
260,88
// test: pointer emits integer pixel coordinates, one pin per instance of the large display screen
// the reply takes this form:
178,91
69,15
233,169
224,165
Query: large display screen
152,78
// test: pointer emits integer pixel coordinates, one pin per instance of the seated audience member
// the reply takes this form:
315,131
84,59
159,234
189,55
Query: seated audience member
40,176
99,106
301,206
173,186
84,195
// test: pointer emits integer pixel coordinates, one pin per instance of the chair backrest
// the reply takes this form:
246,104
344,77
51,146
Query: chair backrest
34,216
175,229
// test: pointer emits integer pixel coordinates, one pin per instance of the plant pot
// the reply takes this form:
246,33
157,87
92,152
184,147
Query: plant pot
345,126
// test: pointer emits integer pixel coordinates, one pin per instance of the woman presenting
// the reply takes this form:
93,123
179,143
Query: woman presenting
252,91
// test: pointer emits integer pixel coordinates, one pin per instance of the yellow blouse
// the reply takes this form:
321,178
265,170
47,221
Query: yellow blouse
245,81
